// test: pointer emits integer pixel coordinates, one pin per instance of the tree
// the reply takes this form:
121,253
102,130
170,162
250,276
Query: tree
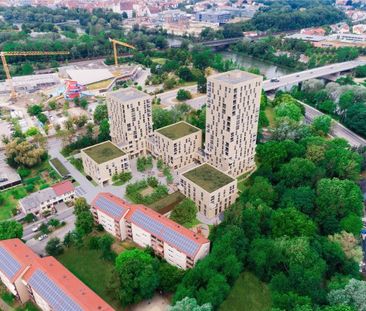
54,247
360,71
355,119
34,110
349,245
190,304
183,95
10,229
169,277
100,113
83,103
104,131
335,200
298,172
301,198
138,276
322,125
289,110
185,212
84,223
291,222
185,73
104,244
353,295
260,192
24,153
202,84
80,205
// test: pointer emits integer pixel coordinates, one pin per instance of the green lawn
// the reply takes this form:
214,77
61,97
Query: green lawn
158,60
249,294
95,272
11,198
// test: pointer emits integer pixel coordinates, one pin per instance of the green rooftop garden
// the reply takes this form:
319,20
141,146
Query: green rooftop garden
103,152
177,130
208,178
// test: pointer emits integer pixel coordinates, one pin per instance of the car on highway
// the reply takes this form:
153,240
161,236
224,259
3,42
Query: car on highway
274,80
42,237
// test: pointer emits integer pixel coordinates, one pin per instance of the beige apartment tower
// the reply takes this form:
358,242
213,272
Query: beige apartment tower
177,144
233,102
129,112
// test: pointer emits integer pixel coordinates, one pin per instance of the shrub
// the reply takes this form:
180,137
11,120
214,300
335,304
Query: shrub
24,172
43,186
183,95
152,181
29,188
2,200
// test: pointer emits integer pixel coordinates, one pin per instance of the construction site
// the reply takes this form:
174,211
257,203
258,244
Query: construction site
70,81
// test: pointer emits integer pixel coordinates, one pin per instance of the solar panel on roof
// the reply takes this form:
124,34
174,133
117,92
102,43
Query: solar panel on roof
53,294
110,207
167,234
8,264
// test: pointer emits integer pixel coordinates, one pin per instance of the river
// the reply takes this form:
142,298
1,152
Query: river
268,69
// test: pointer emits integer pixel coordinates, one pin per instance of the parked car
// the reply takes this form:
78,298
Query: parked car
42,237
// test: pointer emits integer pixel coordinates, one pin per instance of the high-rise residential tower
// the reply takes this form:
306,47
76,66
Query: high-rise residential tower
233,102
129,112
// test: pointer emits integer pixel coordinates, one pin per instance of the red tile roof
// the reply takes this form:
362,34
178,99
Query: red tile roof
132,208
70,284
63,187
20,252
63,278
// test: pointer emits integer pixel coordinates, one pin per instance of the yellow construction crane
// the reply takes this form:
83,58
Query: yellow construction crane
3,56
115,52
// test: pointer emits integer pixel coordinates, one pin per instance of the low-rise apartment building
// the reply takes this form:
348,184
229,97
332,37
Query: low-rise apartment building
212,190
104,160
44,201
130,119
177,144
179,246
44,281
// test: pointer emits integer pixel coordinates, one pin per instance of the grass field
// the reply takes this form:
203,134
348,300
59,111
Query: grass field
95,272
10,202
159,60
248,294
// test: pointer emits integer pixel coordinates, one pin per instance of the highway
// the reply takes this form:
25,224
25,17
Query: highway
338,130
297,77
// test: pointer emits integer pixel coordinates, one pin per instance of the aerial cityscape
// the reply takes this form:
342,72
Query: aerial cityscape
183,155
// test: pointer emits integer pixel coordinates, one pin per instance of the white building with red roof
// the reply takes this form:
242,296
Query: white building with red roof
178,245
45,200
44,281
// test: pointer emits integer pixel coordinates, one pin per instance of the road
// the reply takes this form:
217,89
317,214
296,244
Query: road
338,130
297,77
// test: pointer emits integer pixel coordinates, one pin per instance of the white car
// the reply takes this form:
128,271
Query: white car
36,228
42,237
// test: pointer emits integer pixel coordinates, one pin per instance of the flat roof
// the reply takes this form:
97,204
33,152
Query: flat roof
234,76
208,177
103,152
177,130
128,94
